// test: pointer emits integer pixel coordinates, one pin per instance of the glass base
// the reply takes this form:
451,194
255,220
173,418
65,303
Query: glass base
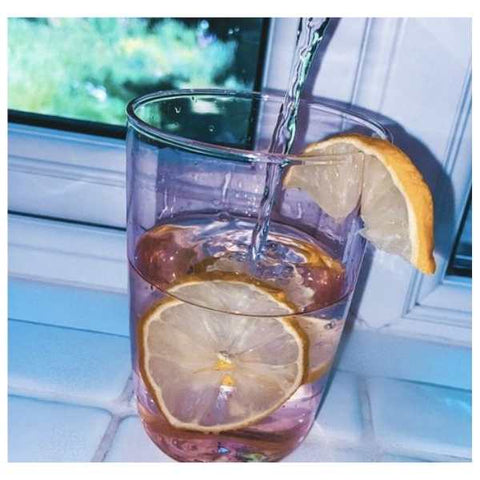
269,440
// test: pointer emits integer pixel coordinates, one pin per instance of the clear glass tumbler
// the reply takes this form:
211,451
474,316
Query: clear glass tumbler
231,356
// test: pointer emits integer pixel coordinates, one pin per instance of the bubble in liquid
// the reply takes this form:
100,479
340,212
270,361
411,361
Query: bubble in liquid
286,271
272,246
224,217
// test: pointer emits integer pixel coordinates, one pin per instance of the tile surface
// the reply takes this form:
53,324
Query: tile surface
416,417
387,457
340,414
59,357
369,353
132,444
66,363
68,306
318,447
53,432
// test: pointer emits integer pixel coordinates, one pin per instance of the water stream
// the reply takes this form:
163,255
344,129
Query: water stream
311,32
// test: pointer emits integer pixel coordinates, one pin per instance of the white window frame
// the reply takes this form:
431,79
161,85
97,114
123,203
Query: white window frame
81,177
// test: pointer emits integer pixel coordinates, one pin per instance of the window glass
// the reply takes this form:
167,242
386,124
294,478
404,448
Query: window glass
89,68
461,261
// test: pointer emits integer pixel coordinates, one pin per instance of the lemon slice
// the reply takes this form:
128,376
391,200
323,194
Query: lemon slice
231,295
211,371
321,335
323,338
396,204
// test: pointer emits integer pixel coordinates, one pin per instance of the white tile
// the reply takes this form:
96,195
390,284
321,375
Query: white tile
319,447
340,414
66,364
132,444
370,353
411,417
68,306
53,432
399,459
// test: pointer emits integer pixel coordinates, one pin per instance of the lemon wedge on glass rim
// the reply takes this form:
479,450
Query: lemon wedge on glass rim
212,371
396,203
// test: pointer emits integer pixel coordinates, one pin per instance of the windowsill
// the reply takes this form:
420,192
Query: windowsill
392,398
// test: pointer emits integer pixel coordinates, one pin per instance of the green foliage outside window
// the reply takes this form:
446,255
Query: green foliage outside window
90,68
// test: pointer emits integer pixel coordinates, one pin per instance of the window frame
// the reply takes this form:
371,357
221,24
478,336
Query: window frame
45,165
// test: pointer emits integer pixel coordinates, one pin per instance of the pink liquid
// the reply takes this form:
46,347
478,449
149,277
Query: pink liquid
169,253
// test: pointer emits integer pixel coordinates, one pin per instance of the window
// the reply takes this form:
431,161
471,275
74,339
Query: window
90,68
461,261
393,69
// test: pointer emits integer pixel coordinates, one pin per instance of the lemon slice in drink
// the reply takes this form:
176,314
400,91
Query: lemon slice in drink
211,371
396,203
321,335
229,294
323,338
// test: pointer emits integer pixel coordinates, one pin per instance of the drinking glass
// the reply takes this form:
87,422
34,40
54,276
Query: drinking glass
197,163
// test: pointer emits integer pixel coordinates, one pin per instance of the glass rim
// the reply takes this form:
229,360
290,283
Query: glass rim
212,149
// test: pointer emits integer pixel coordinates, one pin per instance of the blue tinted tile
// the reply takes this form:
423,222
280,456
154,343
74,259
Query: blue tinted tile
67,363
132,444
399,459
340,415
68,306
53,432
319,447
370,353
411,417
